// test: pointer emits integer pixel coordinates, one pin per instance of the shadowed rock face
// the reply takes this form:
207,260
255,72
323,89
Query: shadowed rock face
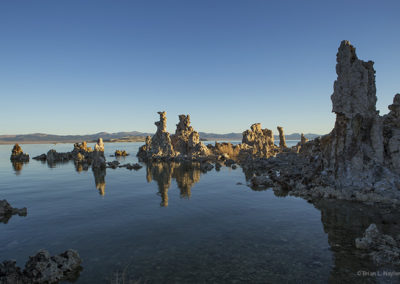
354,152
357,153
391,135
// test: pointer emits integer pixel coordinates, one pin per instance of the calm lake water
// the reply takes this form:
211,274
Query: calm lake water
174,224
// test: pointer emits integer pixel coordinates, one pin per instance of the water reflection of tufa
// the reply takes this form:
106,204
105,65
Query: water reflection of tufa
185,174
100,179
17,166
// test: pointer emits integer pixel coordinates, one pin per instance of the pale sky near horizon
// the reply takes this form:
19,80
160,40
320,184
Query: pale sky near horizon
78,67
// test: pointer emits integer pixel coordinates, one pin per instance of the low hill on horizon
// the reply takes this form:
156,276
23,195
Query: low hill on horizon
121,137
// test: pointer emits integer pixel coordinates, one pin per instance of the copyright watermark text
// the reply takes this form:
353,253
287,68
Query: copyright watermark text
378,273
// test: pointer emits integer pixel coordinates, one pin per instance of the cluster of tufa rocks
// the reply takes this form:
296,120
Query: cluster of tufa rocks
185,144
82,155
358,160
43,268
121,153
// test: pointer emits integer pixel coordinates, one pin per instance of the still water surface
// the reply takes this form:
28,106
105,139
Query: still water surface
174,224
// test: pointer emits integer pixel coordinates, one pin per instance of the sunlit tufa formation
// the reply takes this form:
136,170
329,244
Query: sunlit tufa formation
282,139
259,142
184,143
17,155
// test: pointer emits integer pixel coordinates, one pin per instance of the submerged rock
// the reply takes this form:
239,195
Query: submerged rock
17,155
43,268
383,249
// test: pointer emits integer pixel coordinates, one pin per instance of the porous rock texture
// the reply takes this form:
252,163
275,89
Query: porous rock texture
186,140
353,152
185,144
391,136
17,155
260,141
42,268
160,144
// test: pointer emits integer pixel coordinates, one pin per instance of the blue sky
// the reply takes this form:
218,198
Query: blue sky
76,67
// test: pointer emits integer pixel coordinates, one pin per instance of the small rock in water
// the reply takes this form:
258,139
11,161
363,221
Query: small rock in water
121,153
17,155
6,211
205,167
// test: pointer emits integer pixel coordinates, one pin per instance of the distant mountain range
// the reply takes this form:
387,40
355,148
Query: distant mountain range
123,136
238,136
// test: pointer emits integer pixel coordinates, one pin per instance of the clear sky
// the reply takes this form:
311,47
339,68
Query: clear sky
76,67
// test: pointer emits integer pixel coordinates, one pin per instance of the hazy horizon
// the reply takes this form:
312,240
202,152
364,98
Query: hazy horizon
152,132
72,67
